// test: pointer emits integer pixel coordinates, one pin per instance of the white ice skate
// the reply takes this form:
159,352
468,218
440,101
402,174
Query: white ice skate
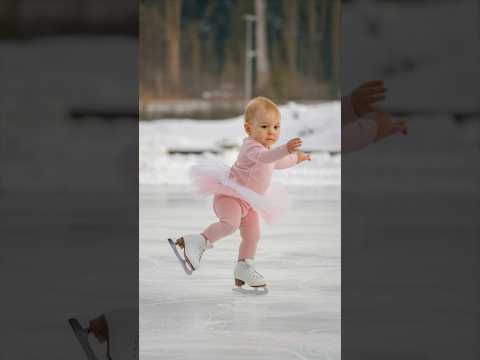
245,273
193,248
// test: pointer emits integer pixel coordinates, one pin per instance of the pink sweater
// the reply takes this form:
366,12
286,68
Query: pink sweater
255,164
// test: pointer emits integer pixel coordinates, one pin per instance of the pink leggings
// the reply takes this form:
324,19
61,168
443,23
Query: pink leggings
233,215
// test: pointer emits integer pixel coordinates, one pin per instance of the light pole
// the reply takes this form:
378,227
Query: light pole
250,53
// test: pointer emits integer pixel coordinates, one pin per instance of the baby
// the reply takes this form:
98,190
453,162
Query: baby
243,192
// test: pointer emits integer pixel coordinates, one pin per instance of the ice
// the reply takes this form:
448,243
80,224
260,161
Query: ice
200,317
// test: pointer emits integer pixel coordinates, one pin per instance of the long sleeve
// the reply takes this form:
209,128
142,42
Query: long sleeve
348,114
259,154
358,134
287,161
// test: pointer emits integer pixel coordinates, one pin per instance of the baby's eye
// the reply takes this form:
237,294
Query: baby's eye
264,126
277,127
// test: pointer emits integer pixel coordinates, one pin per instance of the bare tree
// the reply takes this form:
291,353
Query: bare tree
323,27
9,15
312,37
173,12
263,66
290,40
195,59
336,11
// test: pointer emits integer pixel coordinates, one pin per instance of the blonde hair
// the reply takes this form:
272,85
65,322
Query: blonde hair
260,104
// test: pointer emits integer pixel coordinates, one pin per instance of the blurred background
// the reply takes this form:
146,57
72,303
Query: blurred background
74,77
28,18
202,61
411,204
207,56
69,170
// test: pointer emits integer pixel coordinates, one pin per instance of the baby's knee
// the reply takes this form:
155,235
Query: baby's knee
230,226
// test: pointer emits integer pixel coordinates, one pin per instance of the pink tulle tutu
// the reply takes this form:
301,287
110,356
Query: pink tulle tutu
210,178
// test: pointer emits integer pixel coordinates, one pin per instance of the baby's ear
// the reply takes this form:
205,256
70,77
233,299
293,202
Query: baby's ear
247,127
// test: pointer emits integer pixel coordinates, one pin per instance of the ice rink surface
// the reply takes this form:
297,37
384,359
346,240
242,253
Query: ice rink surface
200,317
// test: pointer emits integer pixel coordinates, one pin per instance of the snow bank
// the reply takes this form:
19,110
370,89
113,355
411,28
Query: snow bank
318,125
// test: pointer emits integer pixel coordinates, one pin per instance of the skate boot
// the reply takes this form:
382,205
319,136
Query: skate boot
193,248
245,273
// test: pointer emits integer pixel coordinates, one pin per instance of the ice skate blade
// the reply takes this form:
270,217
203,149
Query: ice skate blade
182,261
82,336
260,290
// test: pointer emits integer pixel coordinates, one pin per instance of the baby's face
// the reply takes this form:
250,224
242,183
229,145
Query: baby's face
265,129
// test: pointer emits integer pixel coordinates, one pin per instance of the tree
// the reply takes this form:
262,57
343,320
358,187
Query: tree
336,12
173,11
290,9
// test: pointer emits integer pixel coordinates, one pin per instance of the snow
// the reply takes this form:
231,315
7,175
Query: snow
318,125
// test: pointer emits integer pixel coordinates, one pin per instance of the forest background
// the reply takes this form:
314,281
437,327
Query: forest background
193,53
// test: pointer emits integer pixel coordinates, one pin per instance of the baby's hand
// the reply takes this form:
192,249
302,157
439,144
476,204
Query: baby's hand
366,95
387,127
294,144
301,156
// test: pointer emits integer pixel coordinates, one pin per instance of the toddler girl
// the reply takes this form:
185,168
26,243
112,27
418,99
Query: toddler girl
243,192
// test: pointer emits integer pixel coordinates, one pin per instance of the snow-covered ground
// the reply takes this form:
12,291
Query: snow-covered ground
318,125
199,317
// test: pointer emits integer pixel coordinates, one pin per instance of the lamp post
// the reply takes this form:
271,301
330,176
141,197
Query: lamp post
250,53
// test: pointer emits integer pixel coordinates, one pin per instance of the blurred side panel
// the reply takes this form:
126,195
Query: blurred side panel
68,172
411,204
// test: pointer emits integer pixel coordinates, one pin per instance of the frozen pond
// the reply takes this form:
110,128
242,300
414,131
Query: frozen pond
199,317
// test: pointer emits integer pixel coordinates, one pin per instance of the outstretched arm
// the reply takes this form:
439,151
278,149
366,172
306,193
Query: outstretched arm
388,126
259,154
358,134
365,131
287,161
362,100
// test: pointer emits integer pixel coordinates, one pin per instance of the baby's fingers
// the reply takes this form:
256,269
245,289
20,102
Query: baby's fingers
400,127
295,143
372,83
